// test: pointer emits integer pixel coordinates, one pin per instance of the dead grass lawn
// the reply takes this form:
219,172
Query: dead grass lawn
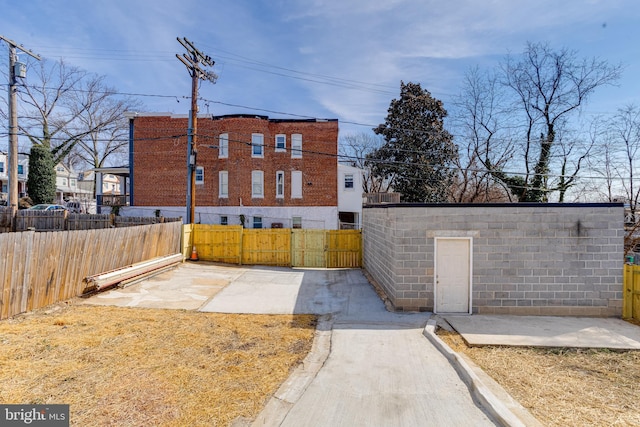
133,367
564,387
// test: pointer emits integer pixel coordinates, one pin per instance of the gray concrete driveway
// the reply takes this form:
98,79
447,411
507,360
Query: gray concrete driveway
369,367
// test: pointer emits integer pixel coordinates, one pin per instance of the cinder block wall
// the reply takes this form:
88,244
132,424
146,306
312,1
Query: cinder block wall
529,259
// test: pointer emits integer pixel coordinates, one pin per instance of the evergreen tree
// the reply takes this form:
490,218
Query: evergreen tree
41,183
418,155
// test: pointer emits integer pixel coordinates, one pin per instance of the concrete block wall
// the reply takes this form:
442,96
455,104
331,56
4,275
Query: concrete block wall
529,259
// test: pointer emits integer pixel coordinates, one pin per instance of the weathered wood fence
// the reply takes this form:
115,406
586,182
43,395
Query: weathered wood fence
38,269
279,246
63,220
631,292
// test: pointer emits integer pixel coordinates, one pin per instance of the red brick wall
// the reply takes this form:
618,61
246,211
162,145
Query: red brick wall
160,159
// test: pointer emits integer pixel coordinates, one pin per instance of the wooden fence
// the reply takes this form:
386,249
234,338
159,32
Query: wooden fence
631,292
63,220
279,246
38,269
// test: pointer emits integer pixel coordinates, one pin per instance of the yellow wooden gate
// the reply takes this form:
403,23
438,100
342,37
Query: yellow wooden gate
283,247
344,248
219,243
631,294
308,248
266,246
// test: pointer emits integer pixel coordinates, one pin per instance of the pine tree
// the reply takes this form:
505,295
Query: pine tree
41,183
418,154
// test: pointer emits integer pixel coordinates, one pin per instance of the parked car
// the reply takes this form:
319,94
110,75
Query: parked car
74,207
47,207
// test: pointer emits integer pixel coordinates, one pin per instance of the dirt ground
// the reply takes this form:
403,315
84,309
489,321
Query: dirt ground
564,387
132,367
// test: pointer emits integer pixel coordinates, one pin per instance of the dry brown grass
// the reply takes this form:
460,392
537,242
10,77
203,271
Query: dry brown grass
133,367
564,387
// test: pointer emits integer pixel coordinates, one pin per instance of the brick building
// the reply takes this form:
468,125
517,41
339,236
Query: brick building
269,172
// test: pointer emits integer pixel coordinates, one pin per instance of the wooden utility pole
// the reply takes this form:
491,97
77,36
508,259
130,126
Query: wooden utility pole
15,71
192,60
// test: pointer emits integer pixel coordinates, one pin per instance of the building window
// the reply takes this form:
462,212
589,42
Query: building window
281,142
280,184
224,220
296,146
257,222
296,185
296,222
60,169
223,146
1,166
257,184
348,181
64,182
199,175
223,186
73,182
20,170
257,145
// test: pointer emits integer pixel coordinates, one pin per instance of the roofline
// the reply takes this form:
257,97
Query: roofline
133,115
496,205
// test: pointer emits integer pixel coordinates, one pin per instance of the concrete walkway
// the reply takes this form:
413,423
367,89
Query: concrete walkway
369,367
546,331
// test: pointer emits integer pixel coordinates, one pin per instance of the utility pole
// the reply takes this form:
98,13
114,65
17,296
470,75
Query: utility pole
16,70
192,60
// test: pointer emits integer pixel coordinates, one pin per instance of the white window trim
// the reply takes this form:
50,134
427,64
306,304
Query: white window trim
261,145
281,149
257,177
199,168
296,152
223,146
223,176
280,194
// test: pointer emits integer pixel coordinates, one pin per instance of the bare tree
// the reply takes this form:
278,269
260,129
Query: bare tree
105,117
64,107
625,132
48,112
482,144
602,163
569,155
354,149
548,87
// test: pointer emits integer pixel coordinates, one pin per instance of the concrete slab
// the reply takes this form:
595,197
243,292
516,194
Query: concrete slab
186,287
384,377
546,331
273,290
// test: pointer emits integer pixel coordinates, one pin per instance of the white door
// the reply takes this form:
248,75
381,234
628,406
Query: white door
453,275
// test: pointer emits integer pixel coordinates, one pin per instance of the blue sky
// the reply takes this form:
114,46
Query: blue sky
318,58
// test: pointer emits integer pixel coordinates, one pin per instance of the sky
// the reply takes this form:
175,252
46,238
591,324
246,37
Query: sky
332,59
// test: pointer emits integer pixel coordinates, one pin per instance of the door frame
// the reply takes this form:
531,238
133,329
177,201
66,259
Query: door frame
435,270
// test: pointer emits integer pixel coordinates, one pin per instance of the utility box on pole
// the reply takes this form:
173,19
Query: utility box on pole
20,70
